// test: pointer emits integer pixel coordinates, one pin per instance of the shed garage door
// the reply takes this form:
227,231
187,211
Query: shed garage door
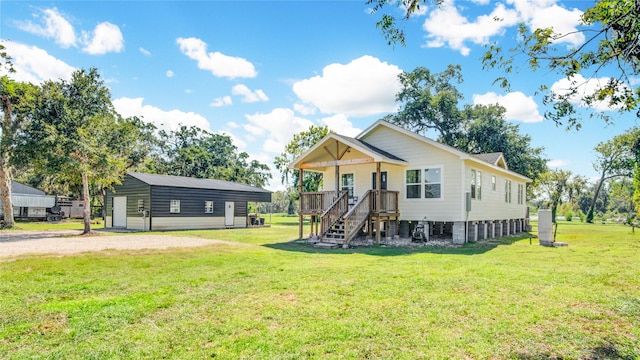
120,211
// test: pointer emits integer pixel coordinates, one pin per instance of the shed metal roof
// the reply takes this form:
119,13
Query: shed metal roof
194,183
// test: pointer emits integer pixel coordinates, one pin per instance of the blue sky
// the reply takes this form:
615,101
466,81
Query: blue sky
261,71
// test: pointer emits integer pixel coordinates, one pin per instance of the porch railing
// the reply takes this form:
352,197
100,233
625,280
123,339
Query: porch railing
334,212
356,217
315,203
388,201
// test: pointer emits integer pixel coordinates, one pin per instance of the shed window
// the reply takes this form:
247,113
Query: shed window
174,208
347,183
140,205
208,207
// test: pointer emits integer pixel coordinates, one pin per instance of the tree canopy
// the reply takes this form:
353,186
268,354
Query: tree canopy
431,102
599,72
193,152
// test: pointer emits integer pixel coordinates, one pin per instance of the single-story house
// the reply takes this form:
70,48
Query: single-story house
163,202
458,195
29,202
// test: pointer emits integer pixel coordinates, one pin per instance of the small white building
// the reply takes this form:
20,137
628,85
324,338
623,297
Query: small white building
29,202
463,196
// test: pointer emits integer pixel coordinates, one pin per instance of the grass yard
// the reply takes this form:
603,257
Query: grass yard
276,299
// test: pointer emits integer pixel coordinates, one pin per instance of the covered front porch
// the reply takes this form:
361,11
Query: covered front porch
347,207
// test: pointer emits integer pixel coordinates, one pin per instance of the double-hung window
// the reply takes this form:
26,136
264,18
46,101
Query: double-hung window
432,183
347,183
507,191
476,184
520,194
429,179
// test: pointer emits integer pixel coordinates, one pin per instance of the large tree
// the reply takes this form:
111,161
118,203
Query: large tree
431,103
193,152
611,52
554,185
75,132
614,158
485,130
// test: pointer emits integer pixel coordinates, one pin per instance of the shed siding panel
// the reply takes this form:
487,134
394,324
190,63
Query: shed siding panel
174,223
133,189
192,202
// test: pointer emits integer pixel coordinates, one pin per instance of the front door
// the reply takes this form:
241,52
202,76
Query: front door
383,180
229,209
120,211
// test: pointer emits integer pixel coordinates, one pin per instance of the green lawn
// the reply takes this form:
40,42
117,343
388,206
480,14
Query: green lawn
276,299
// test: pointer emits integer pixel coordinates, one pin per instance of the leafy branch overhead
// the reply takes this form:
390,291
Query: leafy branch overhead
599,72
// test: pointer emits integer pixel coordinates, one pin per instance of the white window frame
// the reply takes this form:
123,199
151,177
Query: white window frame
418,184
493,182
208,207
140,205
349,188
174,207
425,182
507,191
476,184
520,194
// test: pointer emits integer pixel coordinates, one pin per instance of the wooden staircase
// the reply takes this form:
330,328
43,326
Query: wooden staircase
335,234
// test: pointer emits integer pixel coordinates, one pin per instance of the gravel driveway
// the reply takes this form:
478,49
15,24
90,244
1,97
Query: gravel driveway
17,243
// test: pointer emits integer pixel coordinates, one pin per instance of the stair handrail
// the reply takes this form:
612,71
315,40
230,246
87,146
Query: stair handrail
355,218
334,212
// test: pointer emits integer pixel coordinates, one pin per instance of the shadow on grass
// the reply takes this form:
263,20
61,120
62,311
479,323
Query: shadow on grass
472,248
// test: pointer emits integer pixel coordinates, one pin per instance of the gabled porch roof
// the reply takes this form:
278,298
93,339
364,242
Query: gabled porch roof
338,150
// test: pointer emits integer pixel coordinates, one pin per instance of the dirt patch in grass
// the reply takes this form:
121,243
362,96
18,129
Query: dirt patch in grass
20,243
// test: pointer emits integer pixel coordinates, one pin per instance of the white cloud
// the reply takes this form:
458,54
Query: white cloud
341,125
584,87
233,125
55,27
144,51
248,95
170,74
305,109
219,64
35,65
105,38
365,86
446,25
519,107
278,128
221,101
554,164
162,119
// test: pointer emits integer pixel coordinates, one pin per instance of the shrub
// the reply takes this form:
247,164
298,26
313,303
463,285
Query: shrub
568,215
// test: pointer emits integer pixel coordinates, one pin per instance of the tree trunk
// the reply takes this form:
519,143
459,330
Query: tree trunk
5,189
593,202
86,210
5,171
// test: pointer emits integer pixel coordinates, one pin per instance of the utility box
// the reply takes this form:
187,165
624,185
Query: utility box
545,227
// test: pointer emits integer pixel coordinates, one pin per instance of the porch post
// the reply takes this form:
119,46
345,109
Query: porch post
337,180
300,215
378,202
